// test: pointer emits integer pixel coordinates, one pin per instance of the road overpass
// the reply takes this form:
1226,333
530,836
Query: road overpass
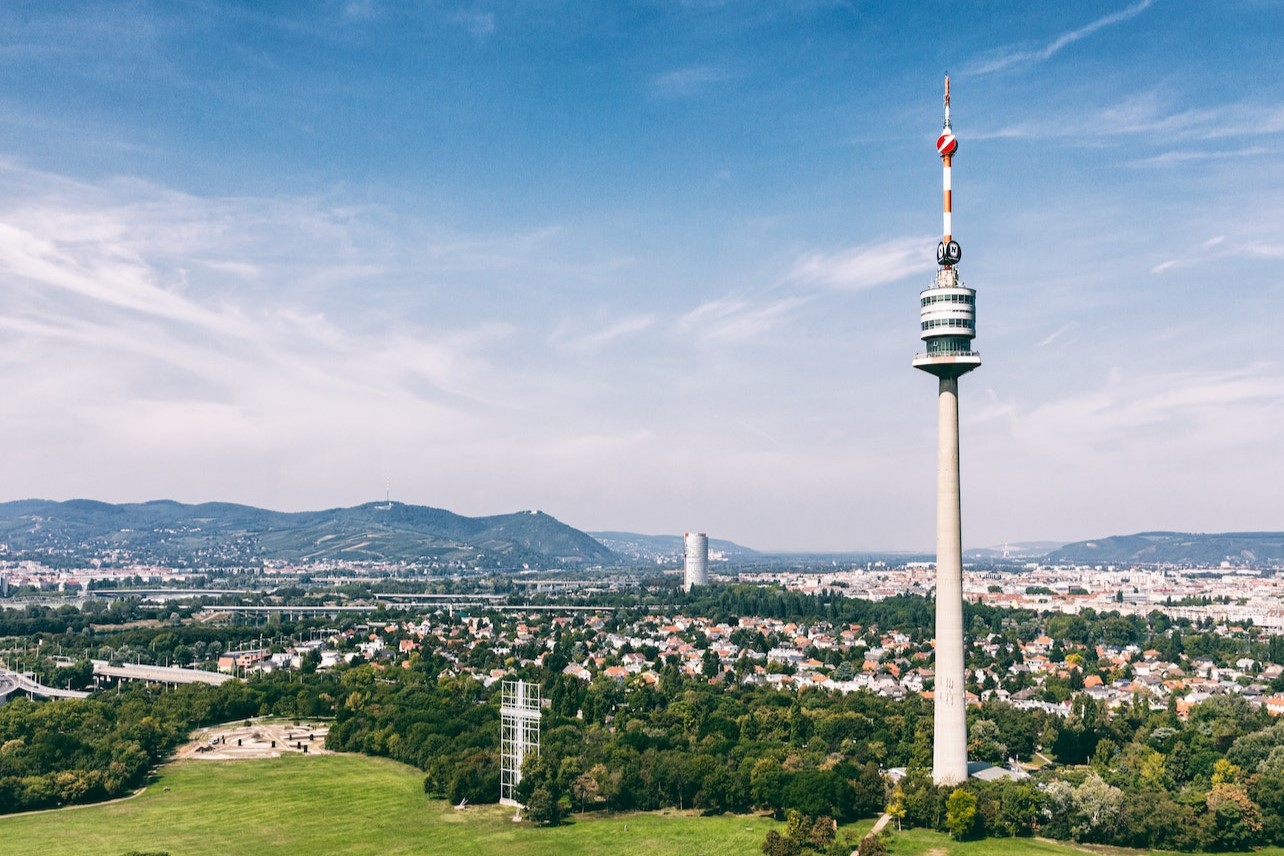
170,593
11,682
171,675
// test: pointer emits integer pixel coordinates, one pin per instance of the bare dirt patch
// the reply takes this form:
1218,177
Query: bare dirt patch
141,624
236,741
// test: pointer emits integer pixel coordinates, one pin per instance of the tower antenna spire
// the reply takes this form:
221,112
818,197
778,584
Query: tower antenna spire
948,253
946,126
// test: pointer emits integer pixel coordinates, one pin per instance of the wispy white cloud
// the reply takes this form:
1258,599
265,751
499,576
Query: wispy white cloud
1141,416
1150,114
152,322
566,337
1057,334
865,266
732,319
1010,57
1190,156
1221,248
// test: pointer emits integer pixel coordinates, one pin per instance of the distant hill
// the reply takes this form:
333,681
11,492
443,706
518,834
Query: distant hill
223,534
664,548
1178,548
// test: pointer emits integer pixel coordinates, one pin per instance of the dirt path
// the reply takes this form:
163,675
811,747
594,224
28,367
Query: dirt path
4,817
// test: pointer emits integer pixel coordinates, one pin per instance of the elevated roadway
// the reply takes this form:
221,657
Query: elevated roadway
158,674
11,682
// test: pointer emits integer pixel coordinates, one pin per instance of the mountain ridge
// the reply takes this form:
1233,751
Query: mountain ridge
1177,548
229,534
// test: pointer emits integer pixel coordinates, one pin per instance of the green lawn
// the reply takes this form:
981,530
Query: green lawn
920,841
352,804
344,804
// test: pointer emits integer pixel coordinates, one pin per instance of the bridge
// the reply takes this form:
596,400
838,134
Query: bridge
169,593
289,611
438,597
11,682
172,675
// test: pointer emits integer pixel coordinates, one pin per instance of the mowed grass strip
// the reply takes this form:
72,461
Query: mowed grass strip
345,804
923,842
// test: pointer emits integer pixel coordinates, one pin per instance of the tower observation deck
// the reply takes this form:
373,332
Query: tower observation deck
947,308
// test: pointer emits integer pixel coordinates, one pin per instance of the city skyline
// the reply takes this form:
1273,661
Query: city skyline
646,267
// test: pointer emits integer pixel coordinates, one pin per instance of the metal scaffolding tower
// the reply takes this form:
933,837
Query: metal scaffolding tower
519,714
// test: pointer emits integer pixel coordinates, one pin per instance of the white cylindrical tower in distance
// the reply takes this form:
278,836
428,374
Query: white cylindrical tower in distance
695,560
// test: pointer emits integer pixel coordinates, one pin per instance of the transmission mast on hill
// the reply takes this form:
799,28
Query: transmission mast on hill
947,315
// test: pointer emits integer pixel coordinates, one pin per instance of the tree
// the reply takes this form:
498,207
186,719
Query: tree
1020,807
1097,806
1237,823
896,806
778,845
542,808
871,845
960,814
1225,773
984,743
923,802
585,789
821,834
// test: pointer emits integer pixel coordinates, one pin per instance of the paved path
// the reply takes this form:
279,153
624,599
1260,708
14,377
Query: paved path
136,793
878,827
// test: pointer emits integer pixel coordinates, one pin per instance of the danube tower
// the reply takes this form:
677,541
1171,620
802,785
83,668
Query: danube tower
948,315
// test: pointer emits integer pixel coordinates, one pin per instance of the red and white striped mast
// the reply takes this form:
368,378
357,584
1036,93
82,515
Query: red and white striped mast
946,145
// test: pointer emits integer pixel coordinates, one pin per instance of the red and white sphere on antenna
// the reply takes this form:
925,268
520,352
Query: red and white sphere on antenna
947,145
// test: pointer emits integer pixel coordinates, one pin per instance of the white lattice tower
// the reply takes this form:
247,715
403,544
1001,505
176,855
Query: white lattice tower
519,714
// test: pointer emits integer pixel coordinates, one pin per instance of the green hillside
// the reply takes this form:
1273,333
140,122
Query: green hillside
1177,548
223,534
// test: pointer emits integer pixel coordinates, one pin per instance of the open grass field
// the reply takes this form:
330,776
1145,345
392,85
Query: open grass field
344,804
361,806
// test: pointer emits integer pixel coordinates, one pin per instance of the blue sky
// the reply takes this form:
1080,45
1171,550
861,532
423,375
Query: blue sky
649,266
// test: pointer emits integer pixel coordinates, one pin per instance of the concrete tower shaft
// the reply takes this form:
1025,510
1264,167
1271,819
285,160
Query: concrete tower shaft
949,745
